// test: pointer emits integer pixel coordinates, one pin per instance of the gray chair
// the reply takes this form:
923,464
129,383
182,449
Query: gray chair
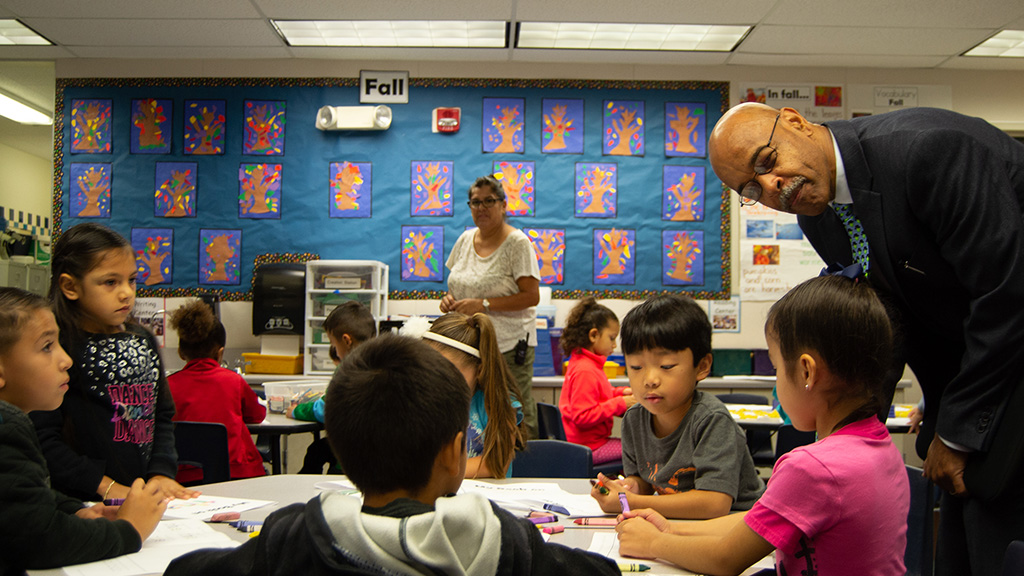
920,519
553,459
204,445
759,442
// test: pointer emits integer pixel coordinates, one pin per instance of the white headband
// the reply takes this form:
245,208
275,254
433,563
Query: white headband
452,342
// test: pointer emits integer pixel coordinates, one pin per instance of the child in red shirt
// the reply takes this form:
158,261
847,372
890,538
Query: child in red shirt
588,402
203,391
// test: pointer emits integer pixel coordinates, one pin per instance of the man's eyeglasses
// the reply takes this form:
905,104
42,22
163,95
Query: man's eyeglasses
486,202
750,192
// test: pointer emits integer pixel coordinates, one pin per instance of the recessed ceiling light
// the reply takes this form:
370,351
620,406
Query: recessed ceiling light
395,33
21,112
1005,44
13,32
609,36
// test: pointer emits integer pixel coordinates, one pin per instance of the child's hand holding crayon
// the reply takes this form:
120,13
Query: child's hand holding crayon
606,491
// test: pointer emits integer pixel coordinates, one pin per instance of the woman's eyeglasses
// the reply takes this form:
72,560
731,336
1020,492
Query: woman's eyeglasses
750,192
486,202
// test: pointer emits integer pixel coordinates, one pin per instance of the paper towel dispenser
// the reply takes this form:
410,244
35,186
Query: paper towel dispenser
278,299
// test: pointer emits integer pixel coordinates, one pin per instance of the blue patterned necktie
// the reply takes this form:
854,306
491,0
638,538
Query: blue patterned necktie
858,241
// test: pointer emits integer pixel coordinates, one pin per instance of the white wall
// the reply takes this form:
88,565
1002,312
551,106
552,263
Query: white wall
25,181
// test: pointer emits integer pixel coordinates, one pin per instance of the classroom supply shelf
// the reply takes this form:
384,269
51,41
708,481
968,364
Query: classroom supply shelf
329,284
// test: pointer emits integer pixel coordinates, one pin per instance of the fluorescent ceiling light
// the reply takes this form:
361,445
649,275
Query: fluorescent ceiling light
13,32
592,36
1005,44
23,113
394,33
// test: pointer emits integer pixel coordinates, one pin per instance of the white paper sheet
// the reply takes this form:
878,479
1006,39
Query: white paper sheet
204,507
523,497
606,543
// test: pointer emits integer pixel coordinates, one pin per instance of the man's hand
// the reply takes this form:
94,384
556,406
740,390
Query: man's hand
945,467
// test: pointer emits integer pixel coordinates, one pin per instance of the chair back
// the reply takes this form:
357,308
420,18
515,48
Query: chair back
788,438
1013,561
759,442
204,445
920,519
549,422
553,459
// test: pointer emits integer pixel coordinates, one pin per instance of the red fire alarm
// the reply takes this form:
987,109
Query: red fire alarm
446,119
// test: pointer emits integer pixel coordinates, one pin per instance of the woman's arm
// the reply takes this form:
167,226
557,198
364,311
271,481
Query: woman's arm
528,295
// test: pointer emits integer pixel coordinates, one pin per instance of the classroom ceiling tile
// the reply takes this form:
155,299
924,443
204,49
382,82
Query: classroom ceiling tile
979,63
184,52
741,12
902,14
836,60
136,32
770,39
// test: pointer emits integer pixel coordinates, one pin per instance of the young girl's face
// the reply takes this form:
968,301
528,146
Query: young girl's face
602,342
34,372
106,293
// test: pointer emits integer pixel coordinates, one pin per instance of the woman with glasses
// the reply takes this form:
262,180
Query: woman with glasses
493,269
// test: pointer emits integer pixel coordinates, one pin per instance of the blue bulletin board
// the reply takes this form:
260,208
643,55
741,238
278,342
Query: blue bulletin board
610,179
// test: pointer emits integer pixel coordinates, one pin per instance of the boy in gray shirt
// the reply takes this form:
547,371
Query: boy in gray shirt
683,454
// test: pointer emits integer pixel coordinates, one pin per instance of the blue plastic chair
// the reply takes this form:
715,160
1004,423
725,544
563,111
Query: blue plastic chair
204,445
549,422
553,459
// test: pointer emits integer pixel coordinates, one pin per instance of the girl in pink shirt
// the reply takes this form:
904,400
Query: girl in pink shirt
837,506
588,402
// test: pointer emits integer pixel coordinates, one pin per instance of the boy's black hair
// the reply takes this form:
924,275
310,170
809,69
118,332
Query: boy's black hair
390,408
351,318
847,325
668,321
15,307
76,252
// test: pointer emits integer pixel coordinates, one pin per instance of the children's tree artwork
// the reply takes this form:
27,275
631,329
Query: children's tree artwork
177,187
153,248
682,257
351,184
614,256
220,253
151,126
264,127
204,127
682,193
503,125
90,126
431,189
517,179
90,190
549,244
623,128
422,250
596,194
259,191
685,127
562,129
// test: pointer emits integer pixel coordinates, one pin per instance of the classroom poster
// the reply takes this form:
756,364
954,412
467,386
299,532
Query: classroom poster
774,254
149,312
815,103
725,315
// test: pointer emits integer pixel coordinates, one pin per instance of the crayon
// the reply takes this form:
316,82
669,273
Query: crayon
556,508
113,501
553,529
600,487
596,521
543,519
244,525
632,567
623,501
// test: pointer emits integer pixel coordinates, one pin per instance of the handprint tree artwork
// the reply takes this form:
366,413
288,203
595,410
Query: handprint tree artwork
90,190
517,179
549,244
220,253
153,254
176,189
90,126
614,256
151,126
623,128
685,127
682,257
562,129
350,187
264,127
259,191
431,188
422,249
682,193
204,127
596,192
503,125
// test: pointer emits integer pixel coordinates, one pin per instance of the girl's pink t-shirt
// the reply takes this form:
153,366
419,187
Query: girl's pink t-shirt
838,506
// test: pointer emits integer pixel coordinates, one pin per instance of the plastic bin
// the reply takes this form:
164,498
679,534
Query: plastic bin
271,364
280,395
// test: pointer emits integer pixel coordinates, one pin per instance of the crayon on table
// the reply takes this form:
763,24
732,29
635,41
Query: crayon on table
543,519
632,567
557,508
556,529
596,521
113,501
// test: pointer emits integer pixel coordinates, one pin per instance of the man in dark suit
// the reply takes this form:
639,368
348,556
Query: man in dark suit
929,203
